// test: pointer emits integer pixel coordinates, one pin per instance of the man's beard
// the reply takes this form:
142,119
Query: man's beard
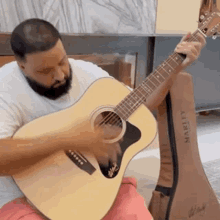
51,93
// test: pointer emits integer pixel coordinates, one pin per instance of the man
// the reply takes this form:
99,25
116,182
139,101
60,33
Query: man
43,80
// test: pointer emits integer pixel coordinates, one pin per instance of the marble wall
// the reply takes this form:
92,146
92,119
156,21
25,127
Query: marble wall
135,17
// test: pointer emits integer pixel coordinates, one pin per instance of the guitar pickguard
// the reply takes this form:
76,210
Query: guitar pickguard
132,135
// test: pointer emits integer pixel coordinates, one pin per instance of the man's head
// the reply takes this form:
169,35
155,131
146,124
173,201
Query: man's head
38,49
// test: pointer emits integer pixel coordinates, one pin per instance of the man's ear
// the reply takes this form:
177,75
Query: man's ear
20,63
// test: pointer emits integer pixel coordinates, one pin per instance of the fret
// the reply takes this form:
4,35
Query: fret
194,37
131,99
143,91
154,80
135,98
150,85
159,76
149,80
140,94
166,68
123,109
163,72
178,59
175,59
167,62
145,88
133,105
174,62
128,101
137,105
120,113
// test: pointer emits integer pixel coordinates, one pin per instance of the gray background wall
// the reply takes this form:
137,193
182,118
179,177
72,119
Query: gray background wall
205,71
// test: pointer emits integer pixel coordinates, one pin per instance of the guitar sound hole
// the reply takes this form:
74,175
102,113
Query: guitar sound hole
111,125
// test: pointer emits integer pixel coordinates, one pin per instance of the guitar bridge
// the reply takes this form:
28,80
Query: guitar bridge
80,161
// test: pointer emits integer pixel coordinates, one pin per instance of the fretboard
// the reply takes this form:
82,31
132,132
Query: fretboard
139,95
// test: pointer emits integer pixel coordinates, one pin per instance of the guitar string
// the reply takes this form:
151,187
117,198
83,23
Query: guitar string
113,115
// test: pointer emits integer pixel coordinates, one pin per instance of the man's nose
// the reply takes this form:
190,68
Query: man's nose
59,75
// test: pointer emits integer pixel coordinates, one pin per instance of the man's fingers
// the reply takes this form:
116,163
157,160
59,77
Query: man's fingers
118,148
114,150
103,160
198,38
188,52
187,36
113,156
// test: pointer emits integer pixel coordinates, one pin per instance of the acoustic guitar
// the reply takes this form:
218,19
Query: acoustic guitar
71,185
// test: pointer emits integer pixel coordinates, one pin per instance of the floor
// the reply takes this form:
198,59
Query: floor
208,131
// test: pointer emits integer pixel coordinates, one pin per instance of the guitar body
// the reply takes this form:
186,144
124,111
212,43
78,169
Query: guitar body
75,186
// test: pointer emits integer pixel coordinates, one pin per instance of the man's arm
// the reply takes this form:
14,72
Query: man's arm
17,154
154,100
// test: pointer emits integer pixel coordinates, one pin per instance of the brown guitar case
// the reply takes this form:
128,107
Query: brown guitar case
183,190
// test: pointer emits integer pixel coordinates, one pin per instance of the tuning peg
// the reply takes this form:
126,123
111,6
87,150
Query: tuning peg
214,37
202,17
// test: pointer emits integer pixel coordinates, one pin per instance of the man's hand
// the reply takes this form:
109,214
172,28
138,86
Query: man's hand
191,49
84,139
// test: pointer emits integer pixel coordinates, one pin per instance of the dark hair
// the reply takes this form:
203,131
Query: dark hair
33,35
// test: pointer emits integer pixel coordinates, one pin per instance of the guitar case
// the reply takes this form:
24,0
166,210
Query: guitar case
183,190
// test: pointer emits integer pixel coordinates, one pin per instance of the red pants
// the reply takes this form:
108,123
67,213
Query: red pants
129,205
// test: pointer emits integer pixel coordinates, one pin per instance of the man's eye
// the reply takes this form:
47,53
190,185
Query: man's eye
62,63
45,71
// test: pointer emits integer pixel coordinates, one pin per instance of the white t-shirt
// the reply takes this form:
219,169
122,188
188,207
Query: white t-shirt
20,104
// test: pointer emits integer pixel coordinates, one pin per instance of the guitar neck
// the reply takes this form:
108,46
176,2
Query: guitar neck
163,72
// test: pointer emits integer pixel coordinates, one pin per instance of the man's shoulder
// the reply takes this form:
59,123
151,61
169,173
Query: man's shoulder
10,79
88,68
80,62
8,69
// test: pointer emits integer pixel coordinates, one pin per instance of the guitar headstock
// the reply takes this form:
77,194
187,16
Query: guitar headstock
210,24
